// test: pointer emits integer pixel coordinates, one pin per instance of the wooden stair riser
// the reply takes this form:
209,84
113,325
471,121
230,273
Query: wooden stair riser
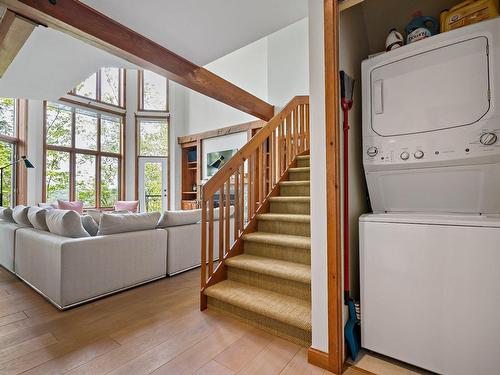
285,227
299,176
274,284
299,208
289,254
303,162
277,328
295,191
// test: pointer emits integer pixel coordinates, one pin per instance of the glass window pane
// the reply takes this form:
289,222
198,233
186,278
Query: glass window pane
153,138
85,130
7,157
110,134
8,117
88,88
85,186
110,178
110,85
154,92
59,118
153,186
57,176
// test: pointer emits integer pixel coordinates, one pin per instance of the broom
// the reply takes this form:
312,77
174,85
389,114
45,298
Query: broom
351,328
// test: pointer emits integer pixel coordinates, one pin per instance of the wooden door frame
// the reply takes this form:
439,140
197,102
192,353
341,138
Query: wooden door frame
333,155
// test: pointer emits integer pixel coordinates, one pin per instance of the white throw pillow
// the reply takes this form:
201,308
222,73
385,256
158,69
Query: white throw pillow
37,217
6,214
65,223
176,218
90,225
121,223
96,214
20,215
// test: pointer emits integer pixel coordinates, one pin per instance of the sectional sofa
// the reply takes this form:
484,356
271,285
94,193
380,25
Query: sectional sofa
72,271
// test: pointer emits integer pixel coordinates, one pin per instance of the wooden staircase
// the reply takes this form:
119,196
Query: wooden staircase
264,276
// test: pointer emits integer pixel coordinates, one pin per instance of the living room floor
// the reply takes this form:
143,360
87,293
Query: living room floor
153,329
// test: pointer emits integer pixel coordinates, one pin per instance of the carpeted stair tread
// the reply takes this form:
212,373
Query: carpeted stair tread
299,169
285,199
292,218
286,240
302,157
295,183
289,310
272,267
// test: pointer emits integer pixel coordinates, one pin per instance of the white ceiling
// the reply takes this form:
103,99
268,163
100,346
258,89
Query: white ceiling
52,63
203,30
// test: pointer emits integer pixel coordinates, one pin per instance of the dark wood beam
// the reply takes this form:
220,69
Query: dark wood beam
87,24
14,31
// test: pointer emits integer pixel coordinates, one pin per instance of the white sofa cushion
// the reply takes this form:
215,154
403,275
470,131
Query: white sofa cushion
217,212
176,218
65,223
6,214
37,217
121,223
96,214
20,215
90,225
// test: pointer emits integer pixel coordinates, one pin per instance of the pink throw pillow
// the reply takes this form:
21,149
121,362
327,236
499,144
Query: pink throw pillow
73,206
131,206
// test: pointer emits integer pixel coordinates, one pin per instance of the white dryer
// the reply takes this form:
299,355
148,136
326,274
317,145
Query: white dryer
431,123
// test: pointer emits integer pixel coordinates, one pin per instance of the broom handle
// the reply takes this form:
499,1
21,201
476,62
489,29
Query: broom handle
345,107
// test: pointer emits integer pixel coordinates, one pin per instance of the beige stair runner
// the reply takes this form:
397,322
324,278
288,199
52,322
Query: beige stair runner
269,285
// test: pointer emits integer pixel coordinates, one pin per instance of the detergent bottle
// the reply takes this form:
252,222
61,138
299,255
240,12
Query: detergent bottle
421,27
394,40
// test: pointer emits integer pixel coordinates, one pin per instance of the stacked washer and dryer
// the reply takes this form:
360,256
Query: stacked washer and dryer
430,252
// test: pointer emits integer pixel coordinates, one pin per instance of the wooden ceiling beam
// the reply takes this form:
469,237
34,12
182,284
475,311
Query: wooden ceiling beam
14,31
85,23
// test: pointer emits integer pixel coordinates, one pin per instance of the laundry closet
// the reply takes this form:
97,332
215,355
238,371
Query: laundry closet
424,183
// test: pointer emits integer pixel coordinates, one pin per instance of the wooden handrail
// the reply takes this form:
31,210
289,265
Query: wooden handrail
246,182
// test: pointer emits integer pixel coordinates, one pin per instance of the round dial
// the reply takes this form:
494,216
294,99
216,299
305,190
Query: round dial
372,151
419,154
488,139
405,155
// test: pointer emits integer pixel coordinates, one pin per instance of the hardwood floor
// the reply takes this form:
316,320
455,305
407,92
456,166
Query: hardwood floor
153,329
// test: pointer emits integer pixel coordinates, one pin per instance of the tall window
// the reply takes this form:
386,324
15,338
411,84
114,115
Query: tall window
84,157
152,92
8,143
105,86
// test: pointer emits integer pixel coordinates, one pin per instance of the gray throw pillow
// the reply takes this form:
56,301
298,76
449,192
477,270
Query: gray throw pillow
96,214
176,218
90,225
37,217
65,223
20,215
6,214
121,223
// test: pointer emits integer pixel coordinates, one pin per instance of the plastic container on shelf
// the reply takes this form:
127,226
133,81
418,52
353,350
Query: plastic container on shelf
467,13
421,27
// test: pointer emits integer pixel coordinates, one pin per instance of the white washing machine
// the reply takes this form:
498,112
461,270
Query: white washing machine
429,292
430,253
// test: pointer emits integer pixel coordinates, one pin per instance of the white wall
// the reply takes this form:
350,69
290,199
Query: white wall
288,63
318,178
353,50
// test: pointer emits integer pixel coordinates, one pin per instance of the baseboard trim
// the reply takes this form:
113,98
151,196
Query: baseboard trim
318,358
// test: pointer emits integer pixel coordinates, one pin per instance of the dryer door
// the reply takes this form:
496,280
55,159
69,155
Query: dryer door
442,88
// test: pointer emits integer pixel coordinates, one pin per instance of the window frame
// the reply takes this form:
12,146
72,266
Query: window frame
140,95
73,151
122,84
19,174
138,156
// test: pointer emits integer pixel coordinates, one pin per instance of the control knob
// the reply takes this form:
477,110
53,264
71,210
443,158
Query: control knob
405,155
419,154
372,151
488,139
